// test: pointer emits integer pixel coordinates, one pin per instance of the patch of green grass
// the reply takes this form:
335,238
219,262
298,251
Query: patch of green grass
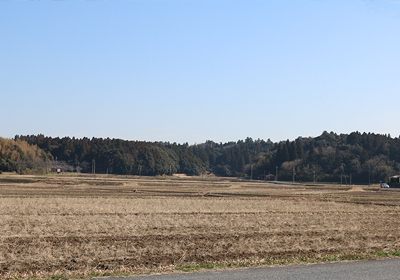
193,267
267,262
352,257
188,267
206,265
395,253
329,258
85,276
58,277
381,254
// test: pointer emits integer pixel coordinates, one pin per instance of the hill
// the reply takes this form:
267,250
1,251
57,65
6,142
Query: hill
356,157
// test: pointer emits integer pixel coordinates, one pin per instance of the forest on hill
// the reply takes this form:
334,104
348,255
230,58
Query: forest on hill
330,157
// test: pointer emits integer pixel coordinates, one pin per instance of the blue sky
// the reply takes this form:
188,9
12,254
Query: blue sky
191,71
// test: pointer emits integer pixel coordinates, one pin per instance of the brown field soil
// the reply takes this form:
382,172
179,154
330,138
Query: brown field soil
83,224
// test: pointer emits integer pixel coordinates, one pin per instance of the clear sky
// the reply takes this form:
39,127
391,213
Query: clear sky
191,71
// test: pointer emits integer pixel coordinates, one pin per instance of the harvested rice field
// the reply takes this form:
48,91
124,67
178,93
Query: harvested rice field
68,226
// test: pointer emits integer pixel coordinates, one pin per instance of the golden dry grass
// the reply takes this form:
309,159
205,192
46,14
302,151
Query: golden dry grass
71,225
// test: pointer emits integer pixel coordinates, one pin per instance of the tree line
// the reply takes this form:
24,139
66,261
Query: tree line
360,157
17,155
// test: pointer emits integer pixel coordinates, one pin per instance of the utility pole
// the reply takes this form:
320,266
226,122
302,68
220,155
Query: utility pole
369,174
251,176
350,179
293,173
140,171
341,175
93,166
314,174
170,169
276,173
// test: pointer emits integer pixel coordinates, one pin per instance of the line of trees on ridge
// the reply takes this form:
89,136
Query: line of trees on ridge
366,156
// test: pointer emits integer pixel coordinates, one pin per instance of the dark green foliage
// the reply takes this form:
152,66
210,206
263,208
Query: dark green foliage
222,170
312,154
285,153
299,147
363,156
293,151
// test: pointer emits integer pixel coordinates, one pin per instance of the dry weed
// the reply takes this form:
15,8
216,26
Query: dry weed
40,235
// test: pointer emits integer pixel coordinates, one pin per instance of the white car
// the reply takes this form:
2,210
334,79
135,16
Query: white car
383,185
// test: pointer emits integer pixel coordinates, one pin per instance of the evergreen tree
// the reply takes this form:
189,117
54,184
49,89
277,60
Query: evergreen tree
285,153
241,164
279,155
338,158
293,151
312,155
300,150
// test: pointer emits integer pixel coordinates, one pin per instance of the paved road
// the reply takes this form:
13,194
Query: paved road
362,270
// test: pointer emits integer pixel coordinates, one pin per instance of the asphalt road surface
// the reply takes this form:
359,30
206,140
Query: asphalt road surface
361,270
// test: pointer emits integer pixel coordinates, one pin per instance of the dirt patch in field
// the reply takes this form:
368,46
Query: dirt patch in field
70,182
356,189
63,182
180,175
